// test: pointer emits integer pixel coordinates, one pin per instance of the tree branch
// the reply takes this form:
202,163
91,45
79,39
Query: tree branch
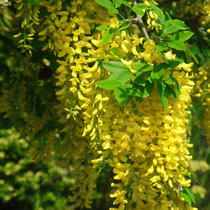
139,19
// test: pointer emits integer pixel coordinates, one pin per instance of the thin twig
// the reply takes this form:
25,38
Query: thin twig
139,19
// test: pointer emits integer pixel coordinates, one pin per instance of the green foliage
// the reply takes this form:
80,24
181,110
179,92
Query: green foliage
26,184
109,84
140,85
117,3
108,4
173,36
37,1
140,9
119,70
158,11
102,28
188,195
116,52
172,26
109,33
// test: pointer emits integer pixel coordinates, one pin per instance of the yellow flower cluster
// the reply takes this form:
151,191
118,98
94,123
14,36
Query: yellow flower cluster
207,114
150,55
152,21
152,18
149,147
146,146
200,78
199,190
202,91
199,9
199,165
30,14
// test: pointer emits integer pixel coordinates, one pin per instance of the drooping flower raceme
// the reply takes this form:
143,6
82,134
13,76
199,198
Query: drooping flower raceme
146,146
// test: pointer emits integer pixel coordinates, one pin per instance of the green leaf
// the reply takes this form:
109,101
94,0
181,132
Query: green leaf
142,6
34,1
158,11
177,44
113,11
169,79
135,91
195,49
129,86
157,75
186,197
161,86
105,3
117,3
140,80
140,9
140,99
188,57
126,4
148,76
190,194
108,36
108,4
172,26
37,1
161,47
118,69
164,101
180,60
170,91
192,55
116,52
167,65
192,176
132,76
121,95
142,67
167,17
102,27
148,89
182,35
177,88
109,84
114,66
121,76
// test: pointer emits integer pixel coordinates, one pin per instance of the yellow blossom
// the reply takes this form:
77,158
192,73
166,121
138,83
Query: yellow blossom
114,23
170,56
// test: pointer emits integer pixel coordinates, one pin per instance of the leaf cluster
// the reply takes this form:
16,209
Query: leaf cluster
139,86
37,1
127,85
25,183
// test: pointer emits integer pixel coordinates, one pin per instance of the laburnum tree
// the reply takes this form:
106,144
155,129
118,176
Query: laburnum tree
110,85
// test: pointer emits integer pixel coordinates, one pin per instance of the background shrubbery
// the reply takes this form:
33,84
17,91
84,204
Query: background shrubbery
27,185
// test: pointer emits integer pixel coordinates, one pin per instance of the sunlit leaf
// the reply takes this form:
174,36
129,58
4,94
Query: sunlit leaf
109,84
